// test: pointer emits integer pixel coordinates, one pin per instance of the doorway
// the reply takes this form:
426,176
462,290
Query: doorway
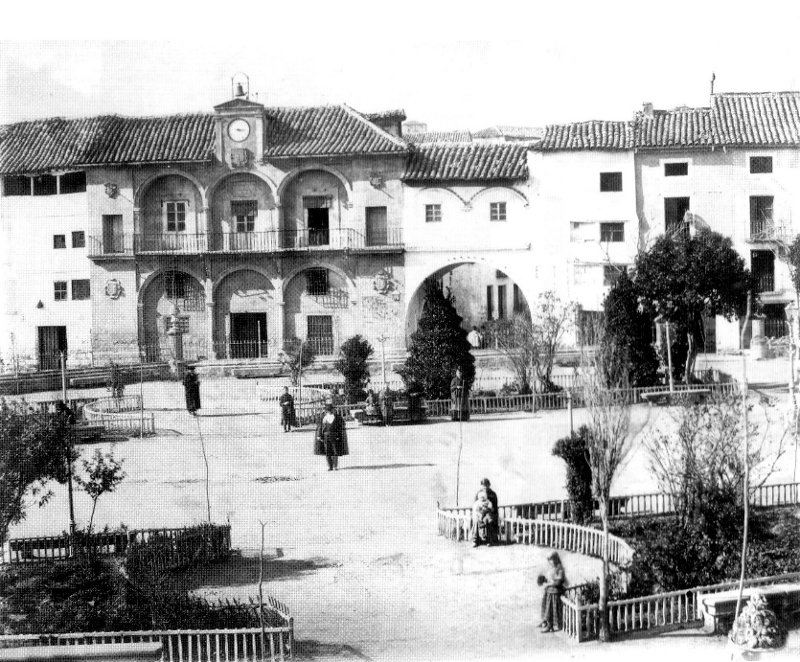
52,341
317,219
248,337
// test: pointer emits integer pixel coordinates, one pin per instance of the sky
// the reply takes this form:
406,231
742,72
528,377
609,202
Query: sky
452,65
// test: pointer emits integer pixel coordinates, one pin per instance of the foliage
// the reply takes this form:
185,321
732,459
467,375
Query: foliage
194,546
531,339
115,382
700,460
589,593
793,260
352,363
34,449
297,354
757,626
573,450
683,278
104,473
629,328
438,347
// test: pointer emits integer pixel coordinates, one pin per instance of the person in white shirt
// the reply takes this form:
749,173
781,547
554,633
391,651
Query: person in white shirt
474,338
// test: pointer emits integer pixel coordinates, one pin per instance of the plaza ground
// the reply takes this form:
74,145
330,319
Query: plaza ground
354,553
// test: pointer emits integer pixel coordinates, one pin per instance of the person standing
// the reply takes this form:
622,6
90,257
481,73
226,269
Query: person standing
474,338
493,531
191,389
331,437
553,590
459,398
387,407
288,416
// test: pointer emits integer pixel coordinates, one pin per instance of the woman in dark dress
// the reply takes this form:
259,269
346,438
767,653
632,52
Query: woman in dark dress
459,398
330,439
191,388
288,416
553,590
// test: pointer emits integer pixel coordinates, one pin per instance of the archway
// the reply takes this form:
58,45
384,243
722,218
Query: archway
160,294
312,204
242,214
245,316
317,308
482,293
171,215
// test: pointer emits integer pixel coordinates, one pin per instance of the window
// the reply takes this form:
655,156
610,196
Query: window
762,266
80,289
497,211
60,290
16,185
611,272
674,211
376,226
320,333
176,216
612,232
760,164
72,182
489,302
45,185
676,169
610,181
244,213
579,231
113,237
176,284
761,214
518,300
59,241
501,302
433,213
78,239
317,282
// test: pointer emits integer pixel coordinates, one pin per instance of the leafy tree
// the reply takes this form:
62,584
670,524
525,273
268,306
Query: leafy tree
683,278
34,449
104,473
573,450
297,355
352,363
438,347
631,330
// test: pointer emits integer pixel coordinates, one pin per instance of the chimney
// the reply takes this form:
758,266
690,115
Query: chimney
647,110
411,127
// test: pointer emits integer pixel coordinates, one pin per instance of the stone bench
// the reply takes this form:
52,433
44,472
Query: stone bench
255,373
666,397
719,608
87,432
88,381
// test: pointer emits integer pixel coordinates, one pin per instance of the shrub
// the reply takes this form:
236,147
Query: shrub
352,363
757,626
573,450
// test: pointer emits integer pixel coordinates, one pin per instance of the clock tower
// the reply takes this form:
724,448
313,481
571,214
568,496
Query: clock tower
240,132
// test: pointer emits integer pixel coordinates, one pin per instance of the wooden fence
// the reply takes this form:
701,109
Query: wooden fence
124,415
456,524
651,612
56,548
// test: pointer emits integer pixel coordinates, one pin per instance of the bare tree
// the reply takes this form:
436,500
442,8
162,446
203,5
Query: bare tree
531,339
604,377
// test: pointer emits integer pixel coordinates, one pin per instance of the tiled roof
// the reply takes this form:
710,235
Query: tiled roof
56,143
439,137
752,118
396,114
467,162
326,130
510,132
682,127
595,134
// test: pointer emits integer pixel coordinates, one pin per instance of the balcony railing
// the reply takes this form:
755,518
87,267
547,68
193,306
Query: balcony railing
188,243
766,229
765,282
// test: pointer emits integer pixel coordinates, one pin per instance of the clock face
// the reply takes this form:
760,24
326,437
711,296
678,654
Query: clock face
238,130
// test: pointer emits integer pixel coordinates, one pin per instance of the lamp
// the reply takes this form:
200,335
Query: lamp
40,305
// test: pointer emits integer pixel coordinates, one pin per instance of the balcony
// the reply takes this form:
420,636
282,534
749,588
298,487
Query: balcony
188,243
766,230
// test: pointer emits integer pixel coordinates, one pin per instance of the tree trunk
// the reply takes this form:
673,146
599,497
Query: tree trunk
605,632
691,357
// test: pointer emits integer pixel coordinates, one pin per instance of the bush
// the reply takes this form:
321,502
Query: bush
573,450
195,546
352,363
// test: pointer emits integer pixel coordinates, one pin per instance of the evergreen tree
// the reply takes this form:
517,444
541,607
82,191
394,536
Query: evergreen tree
631,330
352,363
438,347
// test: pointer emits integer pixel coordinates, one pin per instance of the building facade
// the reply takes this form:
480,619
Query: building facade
253,227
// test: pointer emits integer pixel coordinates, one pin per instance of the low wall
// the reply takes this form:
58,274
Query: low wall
123,415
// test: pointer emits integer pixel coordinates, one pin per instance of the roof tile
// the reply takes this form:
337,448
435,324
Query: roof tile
594,134
467,162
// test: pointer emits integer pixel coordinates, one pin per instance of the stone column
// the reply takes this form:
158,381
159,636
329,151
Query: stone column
208,286
280,308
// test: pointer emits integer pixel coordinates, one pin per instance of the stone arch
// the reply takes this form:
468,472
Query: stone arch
157,230
316,264
447,264
273,187
240,267
293,174
156,304
246,314
447,189
147,183
486,189
260,226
